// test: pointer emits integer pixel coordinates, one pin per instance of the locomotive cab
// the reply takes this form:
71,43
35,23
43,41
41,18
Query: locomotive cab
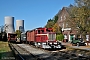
52,42
47,40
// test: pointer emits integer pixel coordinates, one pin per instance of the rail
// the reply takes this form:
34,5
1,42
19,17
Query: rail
30,53
14,50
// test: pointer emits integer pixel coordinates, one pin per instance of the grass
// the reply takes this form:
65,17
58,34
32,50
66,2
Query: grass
5,51
4,47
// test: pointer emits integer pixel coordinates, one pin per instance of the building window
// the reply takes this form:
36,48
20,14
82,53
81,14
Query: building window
63,25
66,24
65,36
61,18
64,17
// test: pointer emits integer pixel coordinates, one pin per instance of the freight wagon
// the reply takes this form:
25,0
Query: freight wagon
12,37
43,38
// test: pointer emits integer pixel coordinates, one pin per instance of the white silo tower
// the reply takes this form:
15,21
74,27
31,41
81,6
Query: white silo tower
9,24
20,25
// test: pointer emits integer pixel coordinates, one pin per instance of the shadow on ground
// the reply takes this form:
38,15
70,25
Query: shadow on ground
7,56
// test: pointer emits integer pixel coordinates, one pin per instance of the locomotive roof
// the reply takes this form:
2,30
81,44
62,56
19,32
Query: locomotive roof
36,29
49,32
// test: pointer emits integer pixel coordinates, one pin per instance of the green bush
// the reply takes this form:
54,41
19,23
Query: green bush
60,37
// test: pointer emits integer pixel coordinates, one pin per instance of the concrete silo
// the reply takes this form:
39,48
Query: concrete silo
9,24
20,25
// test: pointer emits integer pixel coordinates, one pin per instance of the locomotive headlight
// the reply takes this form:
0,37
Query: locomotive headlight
50,43
55,43
44,43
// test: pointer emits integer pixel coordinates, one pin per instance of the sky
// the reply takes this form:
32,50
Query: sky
35,13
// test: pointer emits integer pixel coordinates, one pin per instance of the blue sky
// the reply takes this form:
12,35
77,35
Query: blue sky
35,13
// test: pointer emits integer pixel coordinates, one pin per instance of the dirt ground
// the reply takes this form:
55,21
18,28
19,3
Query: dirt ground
80,47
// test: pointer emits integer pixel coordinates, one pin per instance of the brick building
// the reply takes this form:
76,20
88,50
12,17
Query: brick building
67,31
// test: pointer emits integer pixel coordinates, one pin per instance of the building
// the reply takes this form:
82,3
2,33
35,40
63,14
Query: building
67,31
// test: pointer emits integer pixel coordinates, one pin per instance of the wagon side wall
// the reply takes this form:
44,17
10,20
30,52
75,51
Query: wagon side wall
31,36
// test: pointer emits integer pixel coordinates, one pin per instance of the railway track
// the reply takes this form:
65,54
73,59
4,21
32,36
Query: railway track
40,53
31,53
21,53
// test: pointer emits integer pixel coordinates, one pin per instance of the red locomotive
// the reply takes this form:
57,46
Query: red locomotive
42,37
12,37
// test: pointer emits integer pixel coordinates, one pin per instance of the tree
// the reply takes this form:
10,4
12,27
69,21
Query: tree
3,34
49,24
56,28
18,32
55,19
81,3
80,14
